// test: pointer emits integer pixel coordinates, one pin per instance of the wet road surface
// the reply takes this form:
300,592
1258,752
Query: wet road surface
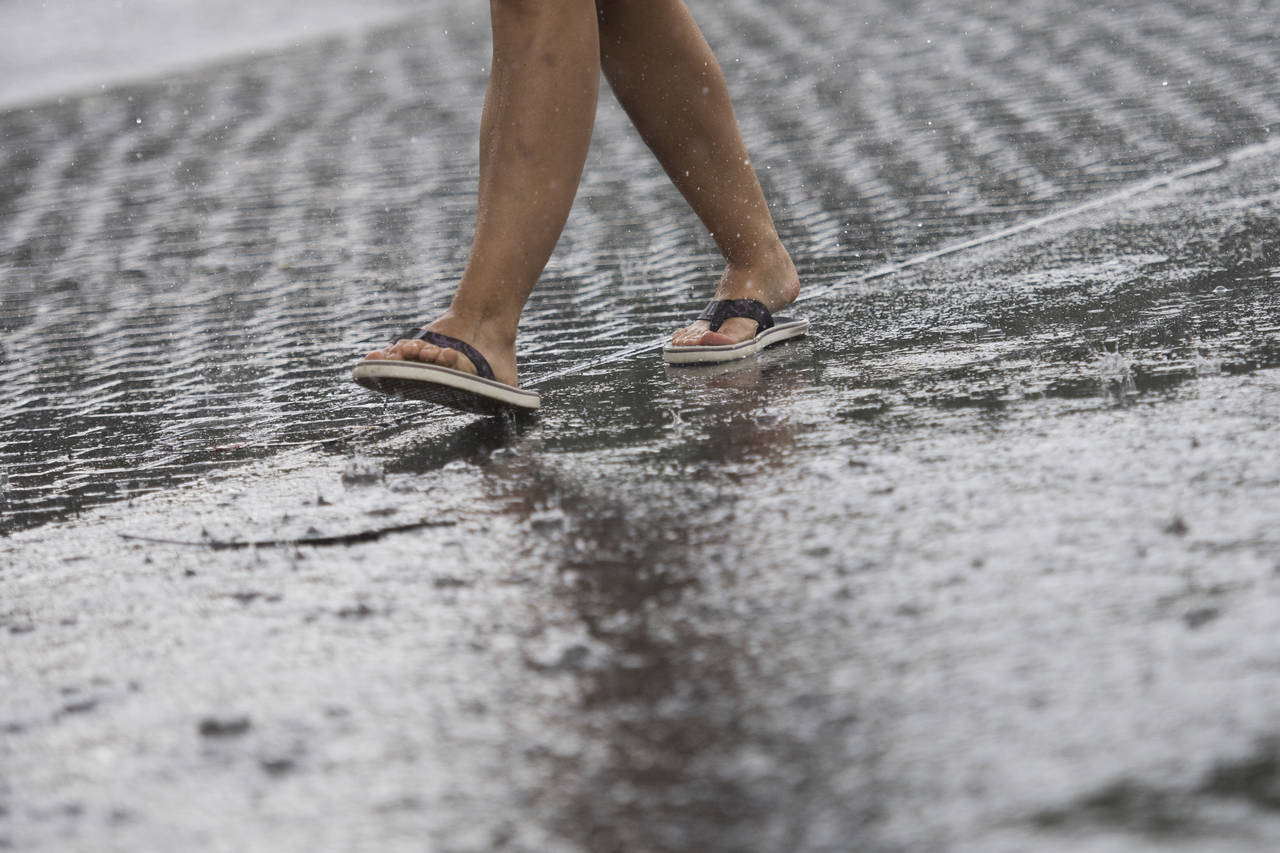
973,592
986,563
202,256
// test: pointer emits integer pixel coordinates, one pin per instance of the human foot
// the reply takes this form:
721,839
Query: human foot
435,367
497,350
772,281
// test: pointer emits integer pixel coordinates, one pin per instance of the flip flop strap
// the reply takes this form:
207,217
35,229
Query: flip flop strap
446,342
719,310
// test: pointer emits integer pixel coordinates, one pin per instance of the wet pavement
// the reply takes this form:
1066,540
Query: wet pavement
202,256
987,562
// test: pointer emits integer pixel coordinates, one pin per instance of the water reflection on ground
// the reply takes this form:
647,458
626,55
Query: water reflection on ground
684,751
969,568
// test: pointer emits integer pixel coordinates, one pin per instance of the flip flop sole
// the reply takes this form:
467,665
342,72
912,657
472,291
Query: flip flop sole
784,328
444,386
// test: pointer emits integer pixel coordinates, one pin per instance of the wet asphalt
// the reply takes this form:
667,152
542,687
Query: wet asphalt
987,562
204,254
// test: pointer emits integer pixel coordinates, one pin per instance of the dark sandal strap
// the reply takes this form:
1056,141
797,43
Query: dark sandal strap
719,310
446,342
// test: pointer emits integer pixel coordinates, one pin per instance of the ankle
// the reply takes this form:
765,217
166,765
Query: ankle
476,328
766,253
769,276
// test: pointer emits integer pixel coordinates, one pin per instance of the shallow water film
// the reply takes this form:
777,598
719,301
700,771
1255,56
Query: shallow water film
986,562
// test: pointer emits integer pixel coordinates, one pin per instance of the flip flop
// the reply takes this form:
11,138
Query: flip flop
770,330
479,394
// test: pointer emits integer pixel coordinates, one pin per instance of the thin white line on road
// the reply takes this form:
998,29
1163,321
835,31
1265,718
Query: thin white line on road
1125,194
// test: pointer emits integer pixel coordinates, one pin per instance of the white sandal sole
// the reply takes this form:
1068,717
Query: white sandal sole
444,386
784,328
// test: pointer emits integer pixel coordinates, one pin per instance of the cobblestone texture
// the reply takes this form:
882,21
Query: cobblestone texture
188,267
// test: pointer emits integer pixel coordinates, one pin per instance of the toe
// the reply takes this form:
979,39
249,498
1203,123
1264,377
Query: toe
419,350
732,331
691,335
456,360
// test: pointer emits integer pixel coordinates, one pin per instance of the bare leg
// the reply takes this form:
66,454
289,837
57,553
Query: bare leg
671,86
534,135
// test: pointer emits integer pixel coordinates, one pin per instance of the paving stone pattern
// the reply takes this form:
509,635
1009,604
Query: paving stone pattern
188,267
